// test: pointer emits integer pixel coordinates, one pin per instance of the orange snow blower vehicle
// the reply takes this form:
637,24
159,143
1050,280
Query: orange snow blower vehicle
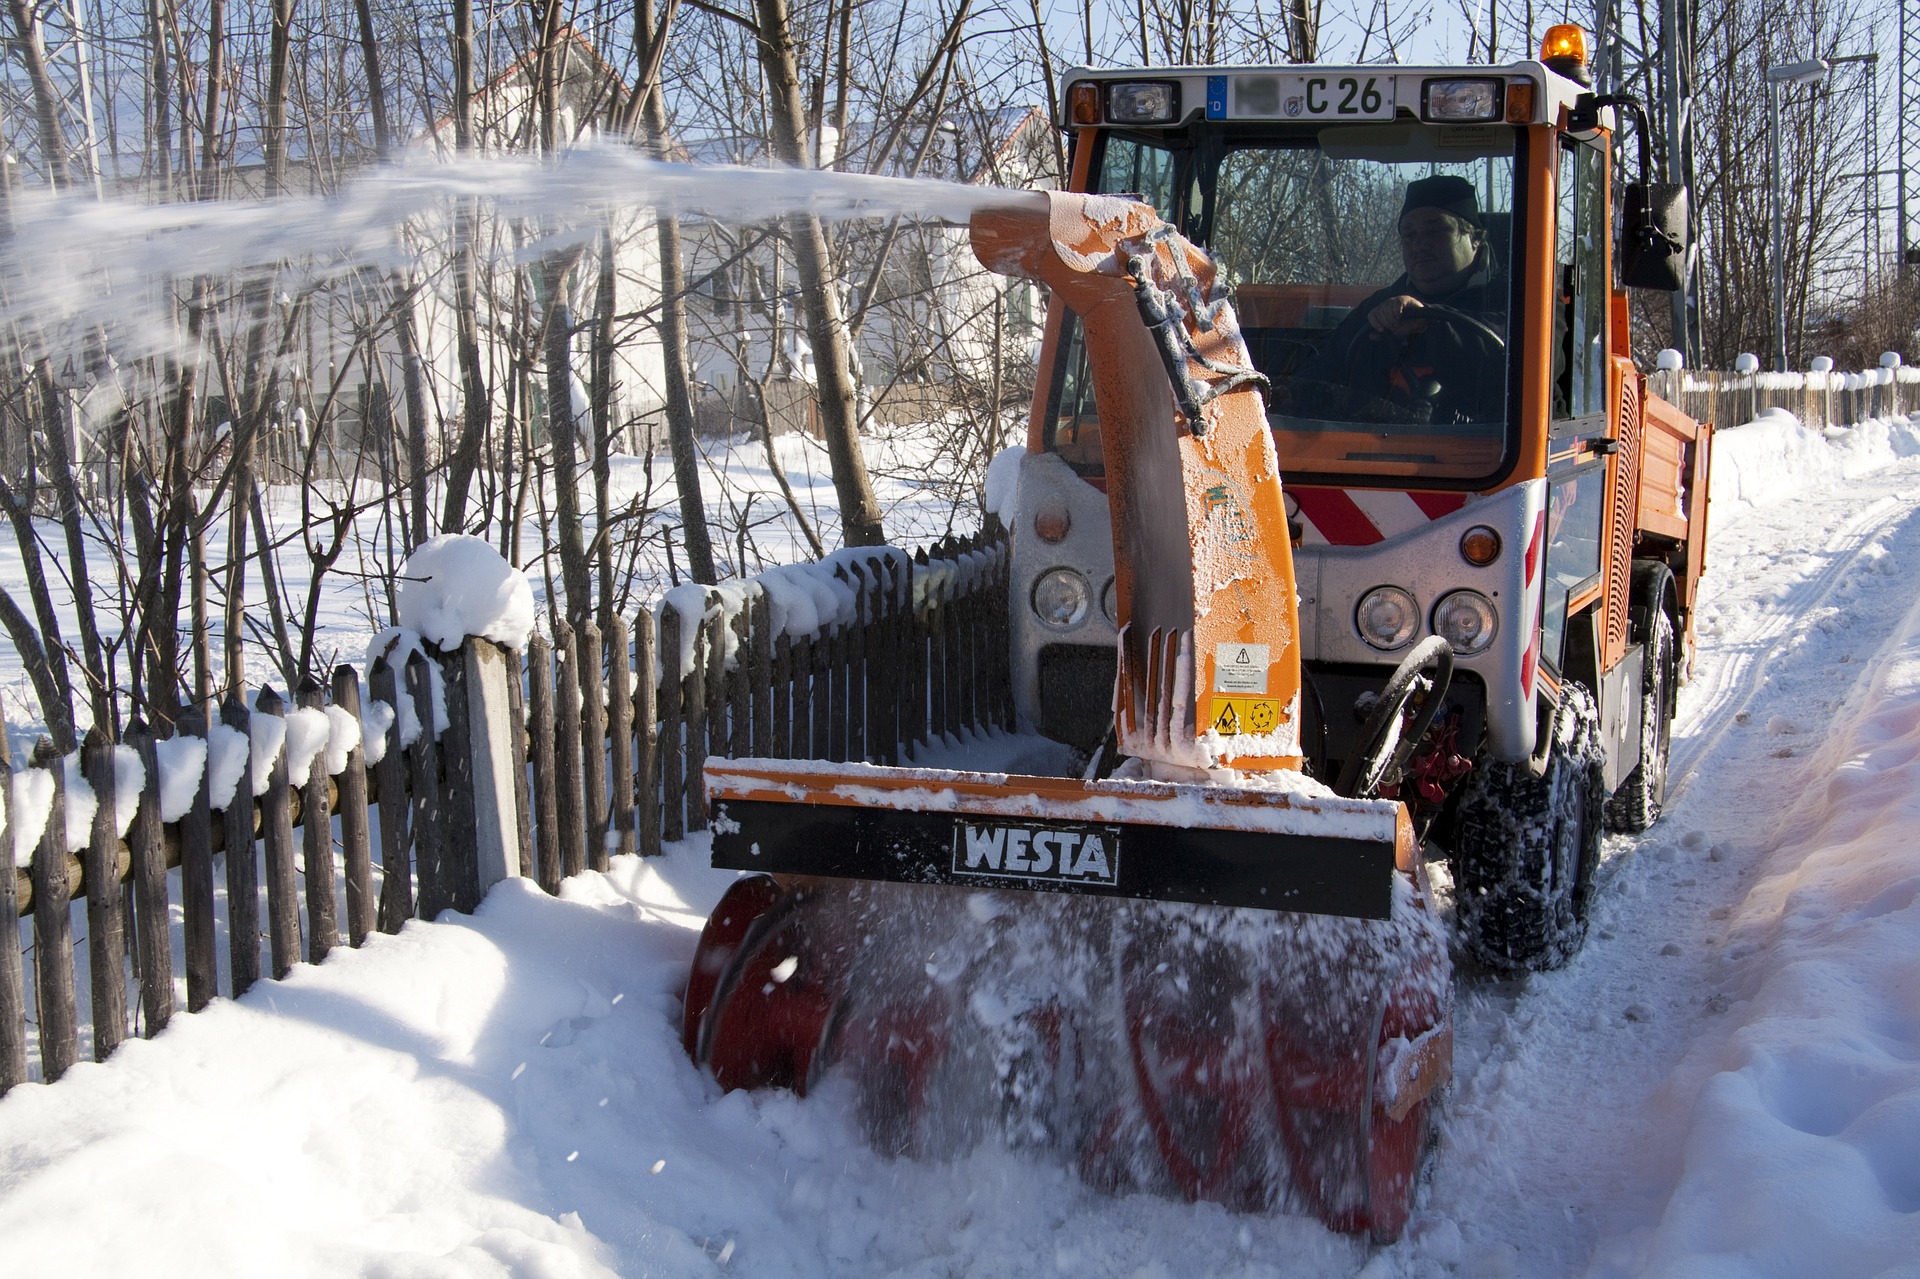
1211,964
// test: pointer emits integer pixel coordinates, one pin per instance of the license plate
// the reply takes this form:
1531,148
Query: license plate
1333,95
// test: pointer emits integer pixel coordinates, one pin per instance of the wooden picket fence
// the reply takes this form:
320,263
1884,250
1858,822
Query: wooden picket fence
608,762
1818,399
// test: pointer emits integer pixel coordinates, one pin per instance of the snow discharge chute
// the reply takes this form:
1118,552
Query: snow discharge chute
1206,975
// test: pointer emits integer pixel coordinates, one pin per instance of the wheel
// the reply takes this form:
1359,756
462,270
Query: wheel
1525,848
1636,805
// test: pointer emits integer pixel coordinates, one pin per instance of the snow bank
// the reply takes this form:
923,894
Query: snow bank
1803,1151
454,586
1775,456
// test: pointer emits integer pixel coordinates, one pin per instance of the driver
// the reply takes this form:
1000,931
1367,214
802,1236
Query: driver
1395,348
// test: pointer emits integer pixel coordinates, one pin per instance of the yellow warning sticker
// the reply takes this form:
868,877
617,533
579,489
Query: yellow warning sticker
1233,715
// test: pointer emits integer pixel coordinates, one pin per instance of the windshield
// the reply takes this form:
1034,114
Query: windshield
1369,268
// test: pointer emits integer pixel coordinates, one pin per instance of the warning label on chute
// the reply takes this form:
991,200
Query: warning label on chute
1240,668
1235,715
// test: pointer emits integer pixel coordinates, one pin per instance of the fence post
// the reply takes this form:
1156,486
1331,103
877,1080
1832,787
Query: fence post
356,843
396,828
488,804
456,885
740,682
593,742
804,745
53,928
519,667
646,764
196,873
540,731
150,889
919,635
276,829
569,747
243,868
710,669
106,940
780,688
829,741
715,629
620,732
760,631
316,840
674,737
429,829
13,974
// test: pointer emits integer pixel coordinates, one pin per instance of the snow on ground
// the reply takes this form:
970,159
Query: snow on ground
1725,1082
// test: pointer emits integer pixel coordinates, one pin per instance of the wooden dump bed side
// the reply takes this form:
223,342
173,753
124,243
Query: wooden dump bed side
1676,453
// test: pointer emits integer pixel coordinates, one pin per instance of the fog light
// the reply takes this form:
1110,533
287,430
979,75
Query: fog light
1466,620
1387,617
1062,599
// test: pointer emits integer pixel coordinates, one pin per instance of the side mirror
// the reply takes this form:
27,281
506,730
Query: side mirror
1653,237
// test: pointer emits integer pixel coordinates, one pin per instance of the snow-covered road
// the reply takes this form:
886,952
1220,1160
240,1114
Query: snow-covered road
1725,1082
1562,1144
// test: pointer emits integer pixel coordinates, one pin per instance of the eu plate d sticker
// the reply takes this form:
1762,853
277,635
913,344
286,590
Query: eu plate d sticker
1240,668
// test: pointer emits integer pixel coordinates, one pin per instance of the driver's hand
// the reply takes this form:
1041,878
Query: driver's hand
1399,315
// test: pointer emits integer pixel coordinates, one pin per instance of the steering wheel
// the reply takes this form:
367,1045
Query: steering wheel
1404,370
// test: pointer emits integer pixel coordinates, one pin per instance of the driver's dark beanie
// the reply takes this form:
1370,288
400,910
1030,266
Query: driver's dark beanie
1443,191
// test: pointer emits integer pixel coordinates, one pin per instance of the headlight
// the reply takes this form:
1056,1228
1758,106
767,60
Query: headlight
1062,599
1462,100
1143,102
1466,620
1388,617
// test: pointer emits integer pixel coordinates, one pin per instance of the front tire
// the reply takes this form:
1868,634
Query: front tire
1526,848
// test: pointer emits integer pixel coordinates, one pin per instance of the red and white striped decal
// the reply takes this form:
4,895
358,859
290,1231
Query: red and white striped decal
1362,517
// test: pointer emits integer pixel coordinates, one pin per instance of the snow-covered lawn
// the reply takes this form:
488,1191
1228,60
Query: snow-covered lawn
1726,1082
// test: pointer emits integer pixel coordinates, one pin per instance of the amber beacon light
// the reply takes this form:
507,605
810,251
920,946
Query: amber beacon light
1564,49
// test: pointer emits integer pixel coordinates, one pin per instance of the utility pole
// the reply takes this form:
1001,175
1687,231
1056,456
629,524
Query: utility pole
1778,77
1906,146
1869,175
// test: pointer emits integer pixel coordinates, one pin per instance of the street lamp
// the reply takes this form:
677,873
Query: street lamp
1812,71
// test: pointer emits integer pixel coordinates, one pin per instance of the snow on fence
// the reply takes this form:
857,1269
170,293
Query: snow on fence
911,648
1819,400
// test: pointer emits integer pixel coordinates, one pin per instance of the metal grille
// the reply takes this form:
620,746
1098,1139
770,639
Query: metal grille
1626,493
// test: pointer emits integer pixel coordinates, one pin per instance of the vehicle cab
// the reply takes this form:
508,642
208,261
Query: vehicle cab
1448,478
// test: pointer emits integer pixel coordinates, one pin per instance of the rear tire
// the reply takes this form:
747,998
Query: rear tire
1526,848
1636,805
